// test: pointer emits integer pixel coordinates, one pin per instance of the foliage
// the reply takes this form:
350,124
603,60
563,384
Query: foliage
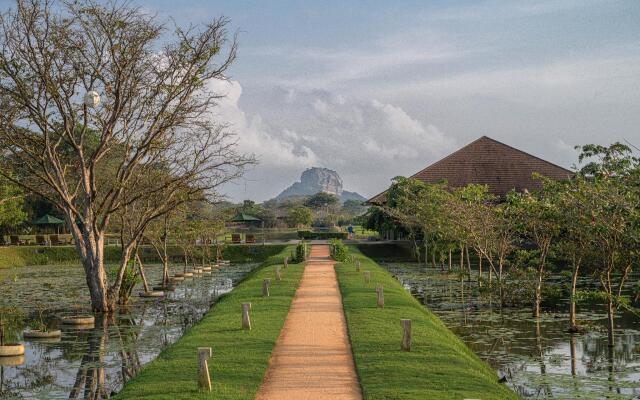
299,216
39,323
11,322
321,200
301,252
11,204
129,281
353,208
322,235
339,251
240,357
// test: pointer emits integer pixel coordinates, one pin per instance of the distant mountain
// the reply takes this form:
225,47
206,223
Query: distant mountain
314,180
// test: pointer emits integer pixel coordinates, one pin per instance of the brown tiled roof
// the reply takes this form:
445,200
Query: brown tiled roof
489,162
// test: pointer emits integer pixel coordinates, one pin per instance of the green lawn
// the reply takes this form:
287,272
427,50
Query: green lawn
440,366
240,357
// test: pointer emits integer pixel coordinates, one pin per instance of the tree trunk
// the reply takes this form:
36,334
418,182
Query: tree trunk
426,252
610,325
466,250
537,297
573,326
449,259
90,246
141,269
480,269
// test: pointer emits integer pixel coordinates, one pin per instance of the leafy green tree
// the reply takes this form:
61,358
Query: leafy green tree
321,200
353,208
299,216
612,203
537,219
576,242
11,205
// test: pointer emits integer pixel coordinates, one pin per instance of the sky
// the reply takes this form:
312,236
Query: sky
377,89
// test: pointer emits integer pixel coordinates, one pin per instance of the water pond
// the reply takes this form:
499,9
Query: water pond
96,362
538,358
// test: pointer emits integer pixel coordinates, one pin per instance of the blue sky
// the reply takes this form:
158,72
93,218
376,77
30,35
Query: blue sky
376,89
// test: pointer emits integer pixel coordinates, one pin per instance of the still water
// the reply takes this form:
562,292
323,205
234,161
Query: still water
94,363
538,358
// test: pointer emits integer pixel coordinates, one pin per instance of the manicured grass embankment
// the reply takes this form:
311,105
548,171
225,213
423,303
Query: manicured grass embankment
240,357
439,366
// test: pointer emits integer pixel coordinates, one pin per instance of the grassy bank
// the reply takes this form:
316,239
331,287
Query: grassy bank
240,357
439,366
19,256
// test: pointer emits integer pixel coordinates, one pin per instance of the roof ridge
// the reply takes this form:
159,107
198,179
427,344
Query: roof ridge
524,152
465,147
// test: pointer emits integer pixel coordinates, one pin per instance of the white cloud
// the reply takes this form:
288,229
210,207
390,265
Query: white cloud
357,138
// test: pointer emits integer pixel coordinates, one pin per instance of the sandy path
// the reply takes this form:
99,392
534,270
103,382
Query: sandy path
312,357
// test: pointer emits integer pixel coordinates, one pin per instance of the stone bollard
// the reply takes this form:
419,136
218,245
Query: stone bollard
380,292
406,334
278,275
246,321
367,276
286,262
265,288
204,381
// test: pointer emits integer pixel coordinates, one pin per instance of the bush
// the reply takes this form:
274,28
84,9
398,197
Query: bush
339,251
301,252
308,235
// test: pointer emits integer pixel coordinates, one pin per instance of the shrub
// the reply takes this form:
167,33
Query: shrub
339,251
301,252
307,235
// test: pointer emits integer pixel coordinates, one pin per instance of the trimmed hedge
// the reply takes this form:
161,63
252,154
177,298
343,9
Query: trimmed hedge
308,235
19,256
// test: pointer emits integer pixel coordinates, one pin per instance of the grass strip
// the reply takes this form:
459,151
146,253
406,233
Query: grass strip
240,357
439,366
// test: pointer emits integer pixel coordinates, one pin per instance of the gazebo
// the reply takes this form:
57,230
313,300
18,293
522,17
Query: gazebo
48,220
246,221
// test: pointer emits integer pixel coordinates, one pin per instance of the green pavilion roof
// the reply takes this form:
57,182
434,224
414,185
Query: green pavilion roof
48,220
242,217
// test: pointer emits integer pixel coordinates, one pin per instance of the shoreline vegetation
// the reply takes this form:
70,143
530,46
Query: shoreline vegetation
439,364
20,256
240,357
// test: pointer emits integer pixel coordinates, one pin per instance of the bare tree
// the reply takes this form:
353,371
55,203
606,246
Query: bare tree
154,118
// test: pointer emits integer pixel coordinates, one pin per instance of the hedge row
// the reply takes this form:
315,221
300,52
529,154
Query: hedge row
309,235
19,256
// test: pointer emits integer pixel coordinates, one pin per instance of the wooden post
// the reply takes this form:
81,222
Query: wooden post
367,276
278,276
357,265
204,381
265,288
246,321
380,292
286,262
406,334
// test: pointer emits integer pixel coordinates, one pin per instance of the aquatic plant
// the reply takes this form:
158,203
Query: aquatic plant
11,320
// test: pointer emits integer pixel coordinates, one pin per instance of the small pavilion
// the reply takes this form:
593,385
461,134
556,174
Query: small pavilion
246,222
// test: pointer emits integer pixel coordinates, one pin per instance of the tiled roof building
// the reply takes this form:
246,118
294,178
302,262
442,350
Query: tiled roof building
489,162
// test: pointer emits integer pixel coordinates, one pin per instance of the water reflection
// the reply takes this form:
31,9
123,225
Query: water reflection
94,362
538,358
